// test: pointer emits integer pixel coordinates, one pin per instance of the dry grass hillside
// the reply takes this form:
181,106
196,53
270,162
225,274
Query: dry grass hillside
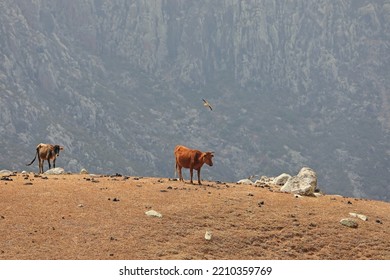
77,216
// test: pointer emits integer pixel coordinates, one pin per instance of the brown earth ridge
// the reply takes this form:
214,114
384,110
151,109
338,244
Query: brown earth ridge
102,217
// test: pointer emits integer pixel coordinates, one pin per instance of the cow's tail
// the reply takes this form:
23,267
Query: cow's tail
33,159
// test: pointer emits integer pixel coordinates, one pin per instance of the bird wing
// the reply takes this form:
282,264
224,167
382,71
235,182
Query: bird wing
207,104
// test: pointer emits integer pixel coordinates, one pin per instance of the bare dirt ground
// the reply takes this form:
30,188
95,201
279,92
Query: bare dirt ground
76,217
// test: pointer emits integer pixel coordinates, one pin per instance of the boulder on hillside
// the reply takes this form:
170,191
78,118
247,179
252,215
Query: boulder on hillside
55,171
281,179
304,183
264,181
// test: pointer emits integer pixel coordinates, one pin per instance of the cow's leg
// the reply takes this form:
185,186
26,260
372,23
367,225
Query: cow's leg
49,163
179,171
54,163
40,164
191,173
199,177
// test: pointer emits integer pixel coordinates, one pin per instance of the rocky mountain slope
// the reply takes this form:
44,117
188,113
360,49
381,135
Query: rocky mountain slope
120,83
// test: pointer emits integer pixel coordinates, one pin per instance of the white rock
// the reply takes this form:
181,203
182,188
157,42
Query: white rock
304,183
360,216
5,173
55,171
208,235
317,194
281,179
83,171
245,182
152,213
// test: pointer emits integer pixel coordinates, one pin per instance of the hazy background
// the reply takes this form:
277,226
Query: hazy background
120,83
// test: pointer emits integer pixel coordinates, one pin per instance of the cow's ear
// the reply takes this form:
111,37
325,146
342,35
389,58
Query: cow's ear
61,148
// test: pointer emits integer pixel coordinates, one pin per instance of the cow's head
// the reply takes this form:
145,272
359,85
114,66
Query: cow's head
208,158
57,149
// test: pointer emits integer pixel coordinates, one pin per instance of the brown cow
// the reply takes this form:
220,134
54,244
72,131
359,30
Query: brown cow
46,152
192,159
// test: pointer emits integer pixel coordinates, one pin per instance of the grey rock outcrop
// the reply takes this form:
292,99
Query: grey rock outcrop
281,179
304,183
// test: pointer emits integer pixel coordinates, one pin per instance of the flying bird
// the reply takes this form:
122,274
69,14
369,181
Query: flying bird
206,104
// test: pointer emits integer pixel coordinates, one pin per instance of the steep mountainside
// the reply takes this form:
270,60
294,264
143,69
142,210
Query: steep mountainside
120,83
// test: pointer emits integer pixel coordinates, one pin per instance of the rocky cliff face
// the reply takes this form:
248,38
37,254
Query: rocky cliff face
119,84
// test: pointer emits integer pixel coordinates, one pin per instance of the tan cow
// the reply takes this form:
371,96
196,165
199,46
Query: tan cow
47,152
192,159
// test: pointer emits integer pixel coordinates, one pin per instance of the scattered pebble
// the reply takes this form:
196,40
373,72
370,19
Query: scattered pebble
260,203
152,213
349,223
360,216
208,235
83,171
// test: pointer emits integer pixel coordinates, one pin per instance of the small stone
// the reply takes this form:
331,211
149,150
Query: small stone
360,216
208,235
83,171
260,203
245,182
80,205
349,223
378,221
152,213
